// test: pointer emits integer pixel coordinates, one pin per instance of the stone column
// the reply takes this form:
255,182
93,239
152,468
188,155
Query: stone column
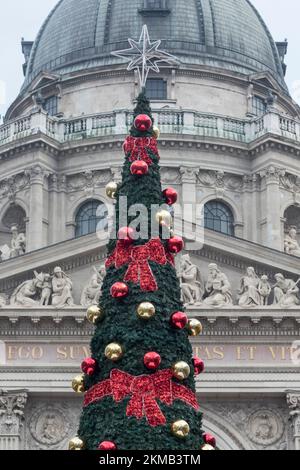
293,401
250,208
191,213
54,228
61,214
36,209
12,406
271,220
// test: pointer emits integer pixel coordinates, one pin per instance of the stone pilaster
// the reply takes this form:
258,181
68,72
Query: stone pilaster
37,175
53,206
191,213
12,406
271,221
249,201
293,401
61,217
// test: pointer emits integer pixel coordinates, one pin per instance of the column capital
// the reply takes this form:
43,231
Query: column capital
293,399
12,406
272,174
188,174
37,173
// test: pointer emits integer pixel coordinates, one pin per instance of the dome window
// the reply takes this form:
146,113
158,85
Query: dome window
155,7
156,89
218,217
259,106
51,105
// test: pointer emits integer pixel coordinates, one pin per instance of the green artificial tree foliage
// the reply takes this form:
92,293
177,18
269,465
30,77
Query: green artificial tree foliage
106,419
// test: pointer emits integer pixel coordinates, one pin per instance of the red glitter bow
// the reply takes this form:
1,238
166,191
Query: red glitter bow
138,146
138,257
144,390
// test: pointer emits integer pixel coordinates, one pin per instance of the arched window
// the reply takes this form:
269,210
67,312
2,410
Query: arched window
218,217
90,217
15,215
292,218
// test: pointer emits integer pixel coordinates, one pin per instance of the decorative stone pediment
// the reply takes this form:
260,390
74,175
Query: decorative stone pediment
43,79
265,79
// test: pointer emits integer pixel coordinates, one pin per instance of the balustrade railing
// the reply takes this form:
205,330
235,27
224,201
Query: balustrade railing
169,121
288,127
103,124
5,133
22,125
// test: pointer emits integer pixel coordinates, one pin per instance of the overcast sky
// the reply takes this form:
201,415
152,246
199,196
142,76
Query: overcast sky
22,18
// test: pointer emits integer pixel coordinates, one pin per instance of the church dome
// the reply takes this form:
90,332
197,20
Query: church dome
228,34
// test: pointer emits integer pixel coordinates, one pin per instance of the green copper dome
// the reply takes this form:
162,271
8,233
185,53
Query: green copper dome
228,34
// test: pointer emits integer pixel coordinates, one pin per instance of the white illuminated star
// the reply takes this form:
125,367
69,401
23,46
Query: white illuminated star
144,56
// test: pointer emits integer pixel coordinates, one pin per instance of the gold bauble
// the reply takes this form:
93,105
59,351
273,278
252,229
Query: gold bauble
76,444
94,313
156,132
78,384
180,429
164,217
146,310
181,370
207,447
111,189
113,351
194,327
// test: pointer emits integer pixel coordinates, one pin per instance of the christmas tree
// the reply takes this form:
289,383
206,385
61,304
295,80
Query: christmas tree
139,382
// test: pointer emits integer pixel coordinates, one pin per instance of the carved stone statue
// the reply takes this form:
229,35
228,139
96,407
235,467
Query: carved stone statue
217,288
4,253
92,291
2,301
286,292
61,289
26,294
249,293
264,289
18,243
291,245
45,285
190,281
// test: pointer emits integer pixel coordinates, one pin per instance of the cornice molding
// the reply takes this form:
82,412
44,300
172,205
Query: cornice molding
229,322
56,149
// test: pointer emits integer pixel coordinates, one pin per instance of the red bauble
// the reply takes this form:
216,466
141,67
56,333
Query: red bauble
107,445
170,196
175,245
179,320
139,168
88,366
198,365
119,290
152,360
209,439
143,122
126,235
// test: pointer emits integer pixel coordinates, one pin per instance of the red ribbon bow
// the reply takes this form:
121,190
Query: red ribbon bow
144,390
138,146
138,257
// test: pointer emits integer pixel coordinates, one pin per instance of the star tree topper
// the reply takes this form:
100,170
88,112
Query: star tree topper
144,56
